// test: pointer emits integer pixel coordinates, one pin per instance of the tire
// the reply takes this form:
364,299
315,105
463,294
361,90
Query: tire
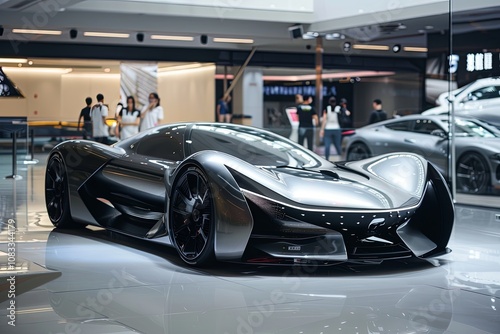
192,217
473,175
358,151
57,194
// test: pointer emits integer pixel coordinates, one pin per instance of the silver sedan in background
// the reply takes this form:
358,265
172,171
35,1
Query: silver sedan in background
477,147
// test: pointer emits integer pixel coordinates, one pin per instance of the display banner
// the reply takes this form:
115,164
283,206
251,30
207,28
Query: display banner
138,80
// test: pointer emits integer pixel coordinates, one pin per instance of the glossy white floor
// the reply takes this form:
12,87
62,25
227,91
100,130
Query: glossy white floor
112,284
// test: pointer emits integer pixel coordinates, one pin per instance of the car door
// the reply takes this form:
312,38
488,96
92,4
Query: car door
137,179
391,137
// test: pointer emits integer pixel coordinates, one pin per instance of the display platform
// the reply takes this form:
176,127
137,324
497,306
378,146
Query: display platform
116,284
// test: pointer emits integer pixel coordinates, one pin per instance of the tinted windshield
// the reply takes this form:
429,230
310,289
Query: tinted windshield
468,128
257,147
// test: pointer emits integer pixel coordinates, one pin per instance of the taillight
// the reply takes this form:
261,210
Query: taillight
348,132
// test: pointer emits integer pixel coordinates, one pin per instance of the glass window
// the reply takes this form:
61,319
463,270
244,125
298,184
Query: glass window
485,93
425,126
468,128
399,126
253,146
164,144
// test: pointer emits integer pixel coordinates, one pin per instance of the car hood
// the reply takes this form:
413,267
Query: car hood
391,181
348,191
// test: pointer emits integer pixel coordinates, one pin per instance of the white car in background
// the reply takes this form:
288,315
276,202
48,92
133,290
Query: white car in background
479,99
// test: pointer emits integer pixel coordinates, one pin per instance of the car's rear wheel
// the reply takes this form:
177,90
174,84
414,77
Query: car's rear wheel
473,175
358,151
56,194
192,217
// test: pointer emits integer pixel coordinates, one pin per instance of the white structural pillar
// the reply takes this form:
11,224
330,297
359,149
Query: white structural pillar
248,97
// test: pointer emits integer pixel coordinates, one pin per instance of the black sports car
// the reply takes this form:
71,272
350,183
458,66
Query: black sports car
236,193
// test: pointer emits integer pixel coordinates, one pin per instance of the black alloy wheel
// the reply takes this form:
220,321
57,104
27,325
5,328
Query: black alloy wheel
56,193
358,151
192,217
473,175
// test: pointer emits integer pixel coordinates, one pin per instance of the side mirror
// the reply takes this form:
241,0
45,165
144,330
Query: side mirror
439,133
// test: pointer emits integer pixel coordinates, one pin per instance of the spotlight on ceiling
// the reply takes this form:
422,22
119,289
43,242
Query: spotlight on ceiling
396,48
140,37
347,46
73,33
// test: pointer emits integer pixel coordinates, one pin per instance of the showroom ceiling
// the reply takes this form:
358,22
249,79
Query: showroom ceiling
237,25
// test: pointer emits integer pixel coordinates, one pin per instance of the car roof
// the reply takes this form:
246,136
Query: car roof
435,118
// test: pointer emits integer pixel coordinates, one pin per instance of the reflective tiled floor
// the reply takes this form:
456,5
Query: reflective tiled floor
114,284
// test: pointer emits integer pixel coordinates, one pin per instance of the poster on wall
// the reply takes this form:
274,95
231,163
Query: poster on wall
138,80
7,87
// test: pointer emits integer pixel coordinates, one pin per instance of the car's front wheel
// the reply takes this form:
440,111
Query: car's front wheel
473,175
192,217
358,151
56,194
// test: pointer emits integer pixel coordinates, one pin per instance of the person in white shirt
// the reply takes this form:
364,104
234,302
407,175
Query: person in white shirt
152,114
98,115
330,127
129,118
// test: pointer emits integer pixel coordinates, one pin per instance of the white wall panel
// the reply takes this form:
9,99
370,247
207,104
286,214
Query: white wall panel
188,95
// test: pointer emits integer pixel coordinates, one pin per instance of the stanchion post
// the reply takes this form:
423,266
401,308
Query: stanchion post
32,144
14,158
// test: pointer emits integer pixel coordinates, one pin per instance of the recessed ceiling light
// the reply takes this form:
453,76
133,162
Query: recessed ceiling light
56,70
415,49
105,34
429,27
13,60
173,38
107,70
333,36
233,40
30,62
308,35
370,47
37,31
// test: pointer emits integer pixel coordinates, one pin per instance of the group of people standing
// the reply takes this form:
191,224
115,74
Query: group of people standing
129,119
334,118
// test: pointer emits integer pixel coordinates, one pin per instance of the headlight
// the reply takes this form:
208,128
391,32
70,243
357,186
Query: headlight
405,171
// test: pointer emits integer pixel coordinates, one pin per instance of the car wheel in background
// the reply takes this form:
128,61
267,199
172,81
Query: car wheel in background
358,151
473,175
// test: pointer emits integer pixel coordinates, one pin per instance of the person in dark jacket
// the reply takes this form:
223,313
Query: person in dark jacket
86,120
378,114
308,119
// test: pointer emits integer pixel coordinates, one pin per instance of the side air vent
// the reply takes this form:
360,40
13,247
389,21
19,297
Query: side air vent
330,173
